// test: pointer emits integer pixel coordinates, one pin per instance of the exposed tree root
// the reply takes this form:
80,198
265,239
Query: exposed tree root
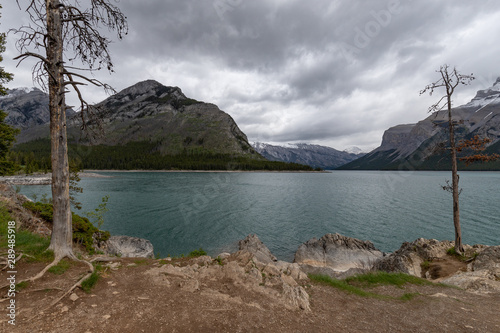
78,284
43,289
7,262
68,291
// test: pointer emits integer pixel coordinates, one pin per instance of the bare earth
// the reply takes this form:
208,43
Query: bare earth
133,295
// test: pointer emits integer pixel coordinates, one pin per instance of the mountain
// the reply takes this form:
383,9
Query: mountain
150,111
420,146
151,126
26,107
313,155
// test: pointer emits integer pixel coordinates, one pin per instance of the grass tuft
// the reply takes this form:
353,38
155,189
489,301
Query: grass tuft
61,267
22,285
90,282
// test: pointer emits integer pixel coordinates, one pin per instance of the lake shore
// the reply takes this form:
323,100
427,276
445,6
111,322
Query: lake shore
211,171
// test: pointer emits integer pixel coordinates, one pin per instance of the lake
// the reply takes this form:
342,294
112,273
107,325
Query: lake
182,211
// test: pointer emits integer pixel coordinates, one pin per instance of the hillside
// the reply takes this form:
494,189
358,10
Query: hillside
422,146
315,156
150,126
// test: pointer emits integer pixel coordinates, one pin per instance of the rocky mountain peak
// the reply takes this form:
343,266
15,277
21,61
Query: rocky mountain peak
26,107
486,96
148,88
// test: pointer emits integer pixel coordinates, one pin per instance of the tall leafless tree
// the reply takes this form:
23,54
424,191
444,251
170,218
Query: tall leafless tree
450,80
63,33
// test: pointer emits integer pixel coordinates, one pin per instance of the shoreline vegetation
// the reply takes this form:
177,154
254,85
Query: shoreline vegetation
143,155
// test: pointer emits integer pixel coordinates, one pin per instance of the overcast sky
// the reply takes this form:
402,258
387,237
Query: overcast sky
335,73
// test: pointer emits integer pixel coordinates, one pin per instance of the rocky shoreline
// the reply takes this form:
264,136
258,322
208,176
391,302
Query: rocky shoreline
42,179
340,256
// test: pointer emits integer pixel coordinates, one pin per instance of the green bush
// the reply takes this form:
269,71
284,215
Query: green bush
197,253
83,229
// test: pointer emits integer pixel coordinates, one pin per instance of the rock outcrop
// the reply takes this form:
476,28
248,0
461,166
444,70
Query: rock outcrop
254,245
129,247
483,273
410,256
337,255
254,269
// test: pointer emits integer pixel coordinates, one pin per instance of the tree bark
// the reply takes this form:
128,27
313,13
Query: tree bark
454,173
62,234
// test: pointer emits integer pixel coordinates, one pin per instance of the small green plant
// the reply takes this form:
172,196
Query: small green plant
45,199
451,252
22,285
425,265
197,253
60,268
97,216
218,260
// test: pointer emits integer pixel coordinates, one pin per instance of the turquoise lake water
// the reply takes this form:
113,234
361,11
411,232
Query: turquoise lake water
179,212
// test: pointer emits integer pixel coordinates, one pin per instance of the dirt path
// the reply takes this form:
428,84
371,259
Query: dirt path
128,298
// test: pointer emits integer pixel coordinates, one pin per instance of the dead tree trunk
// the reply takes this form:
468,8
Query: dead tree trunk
450,79
454,180
61,241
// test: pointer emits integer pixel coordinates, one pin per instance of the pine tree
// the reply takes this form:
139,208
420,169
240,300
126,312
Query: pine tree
7,133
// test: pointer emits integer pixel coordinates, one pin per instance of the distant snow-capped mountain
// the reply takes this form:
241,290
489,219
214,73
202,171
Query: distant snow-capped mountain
315,156
419,146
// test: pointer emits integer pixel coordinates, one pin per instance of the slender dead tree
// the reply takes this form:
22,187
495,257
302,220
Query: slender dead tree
450,80
65,40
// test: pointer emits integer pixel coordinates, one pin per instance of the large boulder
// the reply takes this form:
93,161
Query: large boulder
254,245
337,255
129,247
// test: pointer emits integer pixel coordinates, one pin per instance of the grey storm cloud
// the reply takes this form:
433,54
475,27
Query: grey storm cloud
336,73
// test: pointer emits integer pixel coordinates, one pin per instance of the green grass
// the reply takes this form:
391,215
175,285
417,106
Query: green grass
357,284
22,285
384,278
462,257
60,268
32,245
342,285
142,261
90,282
